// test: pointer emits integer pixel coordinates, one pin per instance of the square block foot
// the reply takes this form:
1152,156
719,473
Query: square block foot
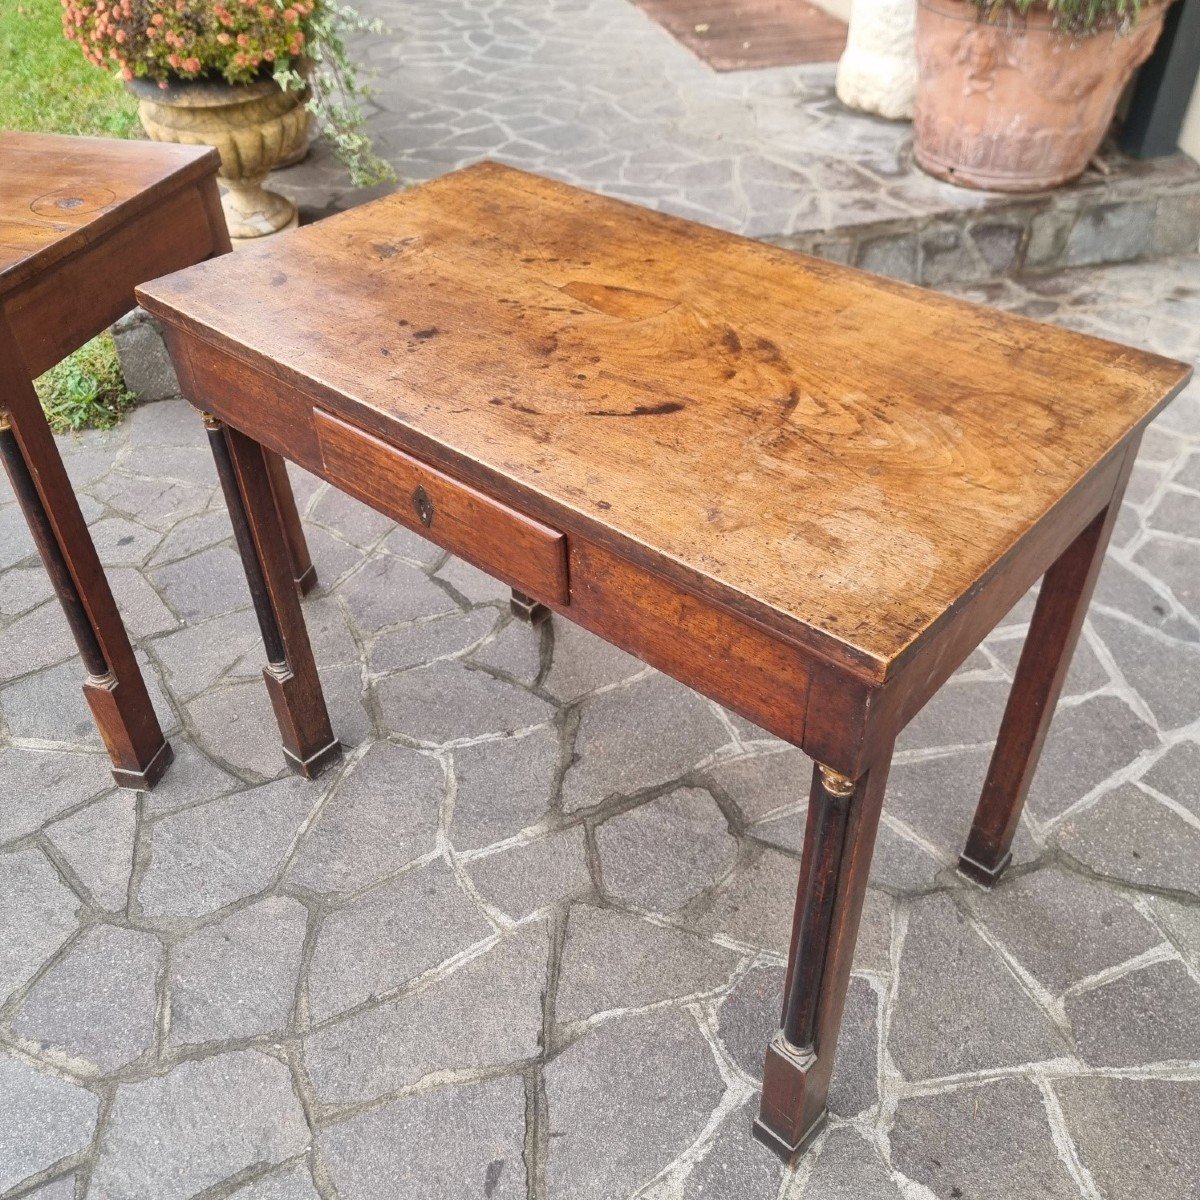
312,766
145,779
978,873
783,1149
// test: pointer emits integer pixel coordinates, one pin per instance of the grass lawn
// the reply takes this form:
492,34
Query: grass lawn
47,86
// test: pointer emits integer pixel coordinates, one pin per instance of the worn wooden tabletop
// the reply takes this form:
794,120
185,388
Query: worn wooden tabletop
839,456
56,193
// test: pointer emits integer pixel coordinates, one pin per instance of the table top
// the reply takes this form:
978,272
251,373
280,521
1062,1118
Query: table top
58,193
842,456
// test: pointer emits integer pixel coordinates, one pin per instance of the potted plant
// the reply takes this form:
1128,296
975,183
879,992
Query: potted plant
240,75
1017,95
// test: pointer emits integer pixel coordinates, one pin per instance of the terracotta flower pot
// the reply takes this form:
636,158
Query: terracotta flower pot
255,126
1011,104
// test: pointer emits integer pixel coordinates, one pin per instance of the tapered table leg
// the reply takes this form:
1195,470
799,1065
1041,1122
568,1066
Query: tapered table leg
303,571
291,673
114,687
1045,660
526,608
843,818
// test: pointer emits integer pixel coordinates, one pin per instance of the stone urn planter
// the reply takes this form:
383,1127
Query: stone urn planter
1011,104
878,70
255,126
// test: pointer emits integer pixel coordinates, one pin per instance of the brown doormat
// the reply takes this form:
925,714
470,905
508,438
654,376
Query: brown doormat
740,35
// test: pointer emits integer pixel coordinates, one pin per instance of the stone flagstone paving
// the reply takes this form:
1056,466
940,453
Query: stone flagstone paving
527,940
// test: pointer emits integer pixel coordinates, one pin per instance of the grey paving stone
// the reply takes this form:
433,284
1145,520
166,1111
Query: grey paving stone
902,865
15,542
237,978
38,912
849,1168
412,546
382,815
1166,674
1151,1015
529,876
399,649
142,609
36,640
474,585
236,725
44,1119
334,558
1177,775
502,787
613,960
764,783
209,584
516,651
485,1014
388,592
992,1142
663,854
1136,1137
1086,745
749,1016
784,831
1086,673
350,518
192,534
601,1096
448,701
735,1166
1063,928
1182,923
755,905
122,543
1127,835
40,784
97,843
157,502
171,1137
637,736
206,857
457,1143
167,423
936,798
289,1183
97,1003
192,779
583,662
959,1008
199,654
60,1189
1174,563
963,713
1121,589
23,588
389,936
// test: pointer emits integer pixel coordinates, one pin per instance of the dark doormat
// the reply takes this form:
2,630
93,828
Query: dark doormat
740,35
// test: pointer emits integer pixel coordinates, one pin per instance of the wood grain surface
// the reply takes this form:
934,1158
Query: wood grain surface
57,194
839,457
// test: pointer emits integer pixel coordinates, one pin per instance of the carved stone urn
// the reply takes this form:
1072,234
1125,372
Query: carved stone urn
1011,104
878,70
255,126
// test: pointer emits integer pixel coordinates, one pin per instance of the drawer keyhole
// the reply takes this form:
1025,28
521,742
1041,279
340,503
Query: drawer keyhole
423,505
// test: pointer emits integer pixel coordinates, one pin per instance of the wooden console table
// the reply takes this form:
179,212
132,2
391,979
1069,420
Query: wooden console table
82,221
803,491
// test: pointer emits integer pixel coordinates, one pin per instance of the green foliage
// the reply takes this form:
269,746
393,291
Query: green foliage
1081,18
45,86
86,390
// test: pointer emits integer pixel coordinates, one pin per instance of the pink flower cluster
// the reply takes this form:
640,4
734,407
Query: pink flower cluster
237,40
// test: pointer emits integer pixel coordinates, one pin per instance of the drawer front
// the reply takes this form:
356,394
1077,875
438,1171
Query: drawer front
526,554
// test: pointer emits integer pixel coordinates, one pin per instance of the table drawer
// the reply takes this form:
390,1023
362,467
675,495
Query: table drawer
526,554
